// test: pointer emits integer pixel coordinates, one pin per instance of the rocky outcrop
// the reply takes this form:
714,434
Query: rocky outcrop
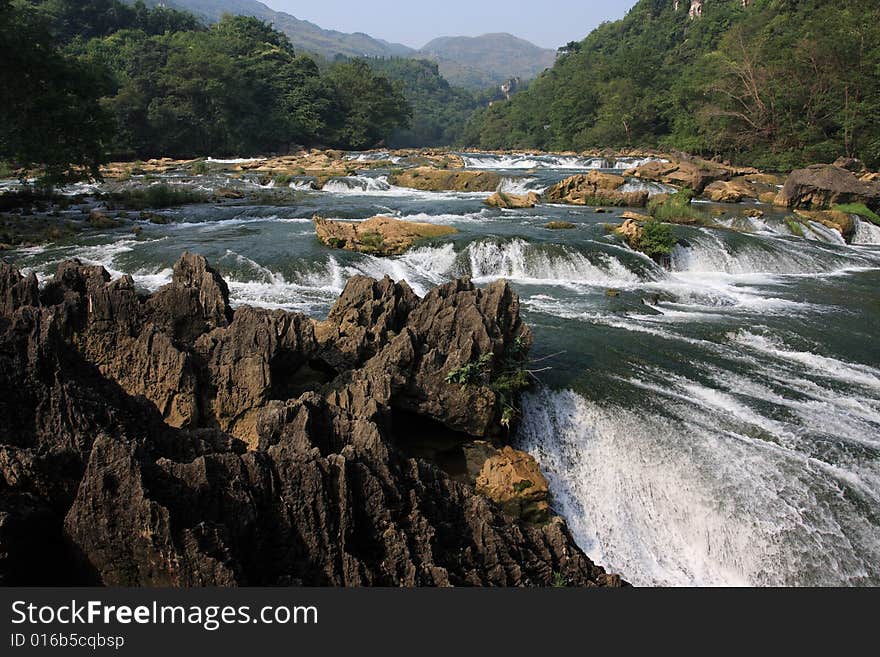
594,188
631,231
379,236
446,180
513,201
822,186
693,173
100,484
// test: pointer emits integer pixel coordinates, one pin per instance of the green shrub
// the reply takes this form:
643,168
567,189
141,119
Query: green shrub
200,167
677,209
156,196
372,241
657,239
794,226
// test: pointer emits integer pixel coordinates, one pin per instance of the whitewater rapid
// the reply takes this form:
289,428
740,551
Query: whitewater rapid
716,422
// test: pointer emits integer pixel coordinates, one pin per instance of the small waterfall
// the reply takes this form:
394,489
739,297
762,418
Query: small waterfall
653,188
520,186
683,485
544,264
356,184
713,251
866,233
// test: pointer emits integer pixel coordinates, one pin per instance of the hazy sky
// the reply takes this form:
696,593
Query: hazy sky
548,23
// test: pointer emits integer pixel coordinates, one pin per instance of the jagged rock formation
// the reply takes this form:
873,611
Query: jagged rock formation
171,441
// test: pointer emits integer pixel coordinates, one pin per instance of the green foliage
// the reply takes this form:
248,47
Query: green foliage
657,239
794,226
366,107
776,84
200,168
677,209
50,118
472,372
156,196
559,581
372,241
859,209
92,79
439,111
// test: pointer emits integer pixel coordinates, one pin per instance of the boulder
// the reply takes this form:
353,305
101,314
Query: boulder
693,173
443,180
560,225
513,201
631,231
822,186
379,236
732,191
514,480
594,188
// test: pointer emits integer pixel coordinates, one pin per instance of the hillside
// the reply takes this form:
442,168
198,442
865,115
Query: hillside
774,82
302,34
472,62
487,60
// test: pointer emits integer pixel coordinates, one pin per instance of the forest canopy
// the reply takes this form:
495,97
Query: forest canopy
100,79
777,83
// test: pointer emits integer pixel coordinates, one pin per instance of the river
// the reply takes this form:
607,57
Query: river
716,423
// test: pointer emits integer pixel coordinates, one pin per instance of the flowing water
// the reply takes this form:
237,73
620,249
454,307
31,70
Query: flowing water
714,423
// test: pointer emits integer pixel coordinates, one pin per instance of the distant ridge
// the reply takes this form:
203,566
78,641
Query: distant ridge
303,34
474,62
488,59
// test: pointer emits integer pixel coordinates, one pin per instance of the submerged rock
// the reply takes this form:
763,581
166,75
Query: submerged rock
379,236
822,186
122,462
446,180
594,188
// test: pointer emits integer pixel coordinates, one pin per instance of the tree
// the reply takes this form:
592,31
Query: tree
368,107
50,117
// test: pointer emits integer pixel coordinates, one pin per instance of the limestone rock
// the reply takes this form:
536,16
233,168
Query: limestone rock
513,201
514,480
380,236
594,188
443,180
100,488
822,186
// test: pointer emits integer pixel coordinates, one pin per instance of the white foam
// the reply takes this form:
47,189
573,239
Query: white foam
519,261
236,160
677,499
866,233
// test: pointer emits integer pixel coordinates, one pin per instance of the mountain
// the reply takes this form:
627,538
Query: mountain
487,60
771,83
303,34
473,62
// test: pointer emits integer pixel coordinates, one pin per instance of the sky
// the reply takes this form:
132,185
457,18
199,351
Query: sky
547,23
